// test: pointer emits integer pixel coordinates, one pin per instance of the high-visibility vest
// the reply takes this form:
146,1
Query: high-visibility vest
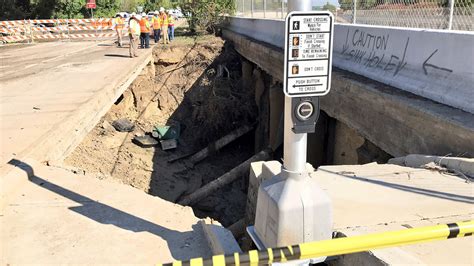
156,22
134,27
118,23
164,20
144,25
170,21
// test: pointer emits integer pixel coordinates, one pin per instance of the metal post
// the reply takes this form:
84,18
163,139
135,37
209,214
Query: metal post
451,12
294,145
264,8
282,9
243,8
31,31
354,11
251,8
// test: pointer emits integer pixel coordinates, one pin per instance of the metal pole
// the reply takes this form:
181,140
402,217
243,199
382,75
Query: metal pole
294,145
251,8
451,11
282,9
264,8
243,8
354,11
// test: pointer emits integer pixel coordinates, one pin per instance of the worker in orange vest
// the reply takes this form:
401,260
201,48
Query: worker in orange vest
164,25
118,26
134,34
170,26
144,32
156,24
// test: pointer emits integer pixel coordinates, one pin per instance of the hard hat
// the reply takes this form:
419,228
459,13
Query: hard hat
133,14
156,12
162,9
143,14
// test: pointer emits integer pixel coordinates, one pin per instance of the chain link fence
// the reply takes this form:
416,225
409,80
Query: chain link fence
428,14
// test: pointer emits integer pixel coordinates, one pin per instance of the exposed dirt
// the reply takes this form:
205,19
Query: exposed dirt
187,84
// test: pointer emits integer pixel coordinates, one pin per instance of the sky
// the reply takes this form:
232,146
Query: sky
323,2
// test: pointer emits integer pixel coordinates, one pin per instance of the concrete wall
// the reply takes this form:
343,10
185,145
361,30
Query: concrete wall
430,63
396,121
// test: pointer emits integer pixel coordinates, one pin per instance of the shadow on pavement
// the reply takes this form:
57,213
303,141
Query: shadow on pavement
117,55
422,191
178,242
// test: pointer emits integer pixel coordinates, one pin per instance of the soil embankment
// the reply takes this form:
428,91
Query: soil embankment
195,82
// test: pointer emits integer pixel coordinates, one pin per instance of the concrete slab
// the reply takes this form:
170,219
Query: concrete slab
52,94
377,198
61,218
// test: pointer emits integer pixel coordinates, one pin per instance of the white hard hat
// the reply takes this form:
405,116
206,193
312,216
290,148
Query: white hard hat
156,12
162,9
133,14
143,14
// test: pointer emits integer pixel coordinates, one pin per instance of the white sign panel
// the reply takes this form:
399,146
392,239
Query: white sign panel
308,53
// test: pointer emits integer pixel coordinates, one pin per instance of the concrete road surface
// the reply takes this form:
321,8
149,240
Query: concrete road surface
58,217
52,93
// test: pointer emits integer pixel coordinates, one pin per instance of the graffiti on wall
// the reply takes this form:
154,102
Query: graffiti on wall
370,50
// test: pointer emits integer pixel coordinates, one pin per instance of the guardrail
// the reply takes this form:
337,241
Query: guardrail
338,246
40,29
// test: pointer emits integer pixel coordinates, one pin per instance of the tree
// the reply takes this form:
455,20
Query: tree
207,14
69,9
329,7
15,9
345,4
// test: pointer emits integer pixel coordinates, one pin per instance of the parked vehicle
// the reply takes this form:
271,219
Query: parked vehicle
176,13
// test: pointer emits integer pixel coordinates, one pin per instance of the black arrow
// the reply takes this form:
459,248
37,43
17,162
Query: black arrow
425,64
296,86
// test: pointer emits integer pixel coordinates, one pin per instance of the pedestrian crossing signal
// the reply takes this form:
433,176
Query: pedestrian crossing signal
296,25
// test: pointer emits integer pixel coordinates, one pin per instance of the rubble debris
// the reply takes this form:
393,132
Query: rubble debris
220,143
123,125
457,164
225,179
222,71
169,144
238,228
167,132
145,141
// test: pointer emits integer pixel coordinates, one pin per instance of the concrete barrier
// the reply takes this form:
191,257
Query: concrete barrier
434,64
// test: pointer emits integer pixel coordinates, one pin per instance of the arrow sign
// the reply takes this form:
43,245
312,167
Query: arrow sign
426,65
296,86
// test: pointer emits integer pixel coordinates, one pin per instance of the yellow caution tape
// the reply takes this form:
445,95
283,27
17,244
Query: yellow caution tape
337,246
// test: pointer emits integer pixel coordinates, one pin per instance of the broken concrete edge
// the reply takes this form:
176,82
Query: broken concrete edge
13,176
58,146
463,165
219,239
